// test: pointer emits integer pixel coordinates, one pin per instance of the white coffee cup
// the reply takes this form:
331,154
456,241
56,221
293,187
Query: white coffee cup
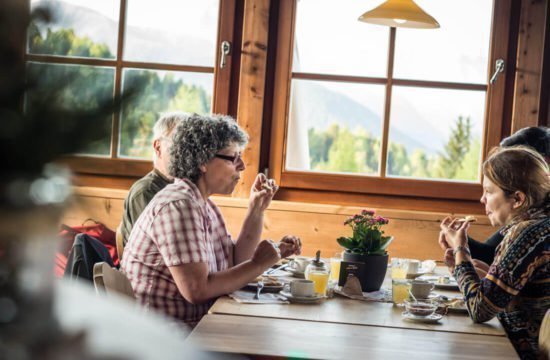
302,288
421,289
299,263
414,266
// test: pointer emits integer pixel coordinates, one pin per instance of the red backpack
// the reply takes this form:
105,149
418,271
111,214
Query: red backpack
96,229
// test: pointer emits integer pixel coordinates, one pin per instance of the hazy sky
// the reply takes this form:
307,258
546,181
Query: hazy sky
170,15
330,40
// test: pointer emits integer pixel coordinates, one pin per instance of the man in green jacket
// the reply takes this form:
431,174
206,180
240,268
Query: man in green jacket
144,189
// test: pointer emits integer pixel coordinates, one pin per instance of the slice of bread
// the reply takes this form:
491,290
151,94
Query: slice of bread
470,218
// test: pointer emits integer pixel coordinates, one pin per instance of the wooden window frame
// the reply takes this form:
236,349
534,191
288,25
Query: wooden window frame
381,185
122,166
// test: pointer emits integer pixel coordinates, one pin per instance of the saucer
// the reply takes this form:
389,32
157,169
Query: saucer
301,299
433,318
420,272
296,273
430,297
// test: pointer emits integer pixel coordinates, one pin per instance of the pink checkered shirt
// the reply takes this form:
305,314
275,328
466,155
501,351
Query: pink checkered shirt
177,227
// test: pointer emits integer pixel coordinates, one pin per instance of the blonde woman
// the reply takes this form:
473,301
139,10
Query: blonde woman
516,288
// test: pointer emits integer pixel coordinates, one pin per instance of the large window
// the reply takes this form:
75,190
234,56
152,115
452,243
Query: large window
383,110
169,47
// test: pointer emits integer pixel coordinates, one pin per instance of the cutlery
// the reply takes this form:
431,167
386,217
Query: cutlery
271,271
259,289
412,296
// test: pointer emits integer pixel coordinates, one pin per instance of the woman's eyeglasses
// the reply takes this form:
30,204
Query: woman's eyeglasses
233,158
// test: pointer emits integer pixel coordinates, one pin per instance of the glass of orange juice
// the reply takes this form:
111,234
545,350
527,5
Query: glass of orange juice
400,291
399,268
335,262
320,281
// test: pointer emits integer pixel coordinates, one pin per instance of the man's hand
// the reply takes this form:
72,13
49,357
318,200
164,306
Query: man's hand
290,245
262,192
266,254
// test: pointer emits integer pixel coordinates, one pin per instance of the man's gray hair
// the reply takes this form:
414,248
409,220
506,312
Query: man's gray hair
198,139
167,122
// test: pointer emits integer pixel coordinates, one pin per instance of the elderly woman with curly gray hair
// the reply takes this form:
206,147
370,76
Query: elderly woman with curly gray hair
180,256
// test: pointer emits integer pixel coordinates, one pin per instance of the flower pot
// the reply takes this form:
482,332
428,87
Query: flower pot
373,271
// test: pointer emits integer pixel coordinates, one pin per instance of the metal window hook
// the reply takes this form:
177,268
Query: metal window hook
225,49
499,68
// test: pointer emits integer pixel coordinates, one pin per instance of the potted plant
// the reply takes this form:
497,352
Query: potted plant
367,246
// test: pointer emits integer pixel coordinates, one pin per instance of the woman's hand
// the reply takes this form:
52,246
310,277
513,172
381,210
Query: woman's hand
443,242
262,192
266,254
455,232
290,245
450,260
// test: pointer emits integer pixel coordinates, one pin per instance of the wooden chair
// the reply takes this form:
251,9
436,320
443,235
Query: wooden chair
544,336
108,280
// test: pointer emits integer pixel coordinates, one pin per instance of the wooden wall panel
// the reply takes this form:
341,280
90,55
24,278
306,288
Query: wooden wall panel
529,66
317,225
252,87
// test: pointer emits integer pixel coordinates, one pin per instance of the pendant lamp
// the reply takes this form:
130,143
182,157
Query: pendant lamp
400,13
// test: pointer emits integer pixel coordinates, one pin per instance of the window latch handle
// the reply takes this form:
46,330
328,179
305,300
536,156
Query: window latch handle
499,68
225,49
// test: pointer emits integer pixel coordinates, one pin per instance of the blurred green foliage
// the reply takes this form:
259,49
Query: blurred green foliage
91,84
341,150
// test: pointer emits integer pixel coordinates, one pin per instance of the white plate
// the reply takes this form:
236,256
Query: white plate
302,299
420,272
433,318
434,279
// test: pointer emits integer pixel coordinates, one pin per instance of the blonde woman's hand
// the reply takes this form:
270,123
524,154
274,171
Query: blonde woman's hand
455,232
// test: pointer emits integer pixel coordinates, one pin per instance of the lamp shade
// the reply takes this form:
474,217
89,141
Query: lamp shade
400,13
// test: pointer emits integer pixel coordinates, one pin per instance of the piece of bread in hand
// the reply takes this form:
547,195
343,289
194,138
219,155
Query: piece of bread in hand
469,219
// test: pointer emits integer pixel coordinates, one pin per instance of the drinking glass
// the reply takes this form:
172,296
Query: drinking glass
320,280
335,262
399,268
400,291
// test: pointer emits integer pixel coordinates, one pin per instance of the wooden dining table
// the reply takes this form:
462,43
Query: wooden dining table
343,328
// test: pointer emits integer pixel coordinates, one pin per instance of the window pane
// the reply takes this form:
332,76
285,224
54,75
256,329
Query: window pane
172,31
435,133
79,28
162,91
457,52
335,127
329,40
87,86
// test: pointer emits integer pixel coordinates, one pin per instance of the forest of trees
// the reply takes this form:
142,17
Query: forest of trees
342,150
88,84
